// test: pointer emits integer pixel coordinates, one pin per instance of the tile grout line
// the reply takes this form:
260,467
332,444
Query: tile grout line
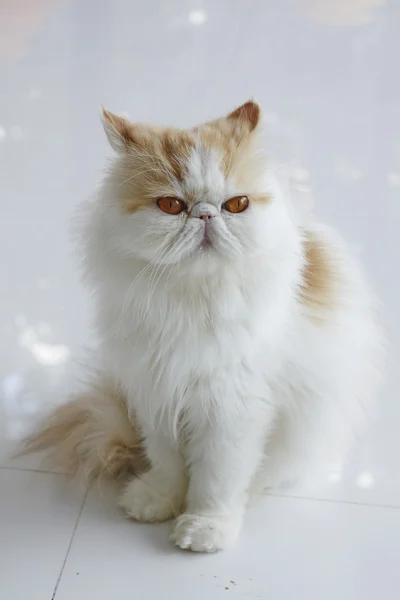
271,494
69,545
26,470
332,501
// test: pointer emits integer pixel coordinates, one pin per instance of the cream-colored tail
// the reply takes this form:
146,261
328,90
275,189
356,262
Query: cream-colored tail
91,436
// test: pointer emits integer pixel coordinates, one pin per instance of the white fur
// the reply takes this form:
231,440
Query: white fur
233,383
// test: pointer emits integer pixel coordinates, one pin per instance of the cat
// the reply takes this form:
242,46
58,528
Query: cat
238,348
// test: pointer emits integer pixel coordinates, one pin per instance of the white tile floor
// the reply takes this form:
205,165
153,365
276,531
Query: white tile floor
326,73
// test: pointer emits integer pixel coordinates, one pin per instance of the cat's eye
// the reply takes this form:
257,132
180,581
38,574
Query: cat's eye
171,205
237,204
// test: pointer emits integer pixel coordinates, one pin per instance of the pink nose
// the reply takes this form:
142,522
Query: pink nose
206,216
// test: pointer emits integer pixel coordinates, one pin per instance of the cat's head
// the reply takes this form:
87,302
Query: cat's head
199,194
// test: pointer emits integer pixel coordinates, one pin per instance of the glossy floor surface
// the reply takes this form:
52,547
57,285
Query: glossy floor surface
326,73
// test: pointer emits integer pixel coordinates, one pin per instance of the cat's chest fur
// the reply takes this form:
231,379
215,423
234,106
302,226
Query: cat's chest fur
177,334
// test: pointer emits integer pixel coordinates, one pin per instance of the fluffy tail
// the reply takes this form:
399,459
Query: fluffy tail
91,436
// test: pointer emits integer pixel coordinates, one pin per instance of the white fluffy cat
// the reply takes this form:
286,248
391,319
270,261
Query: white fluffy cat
244,345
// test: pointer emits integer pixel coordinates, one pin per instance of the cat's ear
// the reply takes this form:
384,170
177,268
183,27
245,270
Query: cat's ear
119,131
239,124
246,117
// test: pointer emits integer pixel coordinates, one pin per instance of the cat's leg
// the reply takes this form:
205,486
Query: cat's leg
327,402
158,494
307,445
222,458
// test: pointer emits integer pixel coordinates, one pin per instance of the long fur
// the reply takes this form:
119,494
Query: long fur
245,346
91,436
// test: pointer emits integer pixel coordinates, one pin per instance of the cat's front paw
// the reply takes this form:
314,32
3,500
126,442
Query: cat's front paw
205,533
146,502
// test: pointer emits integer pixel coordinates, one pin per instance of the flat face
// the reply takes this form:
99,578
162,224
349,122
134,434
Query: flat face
175,163
205,163
178,193
325,74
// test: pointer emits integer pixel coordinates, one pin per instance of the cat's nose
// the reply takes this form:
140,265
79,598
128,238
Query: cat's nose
206,215
204,211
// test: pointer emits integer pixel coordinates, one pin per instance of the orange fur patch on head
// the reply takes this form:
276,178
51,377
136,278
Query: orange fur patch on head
156,161
231,137
320,279
216,136
177,145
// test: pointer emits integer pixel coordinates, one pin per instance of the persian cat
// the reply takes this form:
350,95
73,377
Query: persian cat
238,350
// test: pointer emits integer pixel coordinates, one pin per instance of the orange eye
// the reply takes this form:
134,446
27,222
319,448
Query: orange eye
171,205
237,204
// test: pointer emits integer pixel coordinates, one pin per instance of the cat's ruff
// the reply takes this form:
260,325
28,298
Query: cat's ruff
239,349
